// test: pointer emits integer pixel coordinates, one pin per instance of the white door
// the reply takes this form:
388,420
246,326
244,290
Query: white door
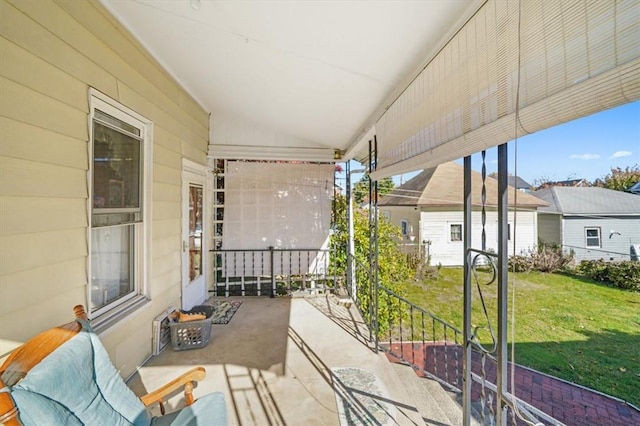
194,284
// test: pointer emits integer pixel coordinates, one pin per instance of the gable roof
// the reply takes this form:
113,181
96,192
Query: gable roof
442,186
517,182
569,183
588,200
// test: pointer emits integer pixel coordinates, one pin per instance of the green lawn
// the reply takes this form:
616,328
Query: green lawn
565,326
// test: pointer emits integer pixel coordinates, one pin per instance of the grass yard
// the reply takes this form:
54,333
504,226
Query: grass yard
565,326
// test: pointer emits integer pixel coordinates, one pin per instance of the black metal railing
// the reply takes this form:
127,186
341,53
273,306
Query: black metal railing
433,348
272,271
430,345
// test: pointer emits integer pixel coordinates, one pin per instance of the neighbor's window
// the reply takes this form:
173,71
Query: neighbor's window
593,237
117,225
404,225
455,232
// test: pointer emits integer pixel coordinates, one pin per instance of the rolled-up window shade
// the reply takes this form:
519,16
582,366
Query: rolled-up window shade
575,58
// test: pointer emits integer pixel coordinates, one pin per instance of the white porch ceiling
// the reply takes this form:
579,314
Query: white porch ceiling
285,78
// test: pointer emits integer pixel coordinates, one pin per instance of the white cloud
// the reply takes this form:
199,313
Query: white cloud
585,156
619,154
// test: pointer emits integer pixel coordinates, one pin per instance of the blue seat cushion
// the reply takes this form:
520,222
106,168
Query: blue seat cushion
77,384
207,410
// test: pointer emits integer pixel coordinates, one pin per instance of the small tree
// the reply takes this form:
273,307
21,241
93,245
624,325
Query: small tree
393,267
361,188
619,179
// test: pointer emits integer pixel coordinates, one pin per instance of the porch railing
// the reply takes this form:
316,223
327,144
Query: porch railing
272,271
434,349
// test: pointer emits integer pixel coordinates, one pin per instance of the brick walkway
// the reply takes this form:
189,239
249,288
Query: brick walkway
572,405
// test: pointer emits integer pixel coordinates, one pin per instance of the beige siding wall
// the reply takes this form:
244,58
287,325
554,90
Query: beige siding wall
52,52
397,214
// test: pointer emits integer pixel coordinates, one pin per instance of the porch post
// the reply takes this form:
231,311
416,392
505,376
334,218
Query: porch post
273,274
374,207
466,238
373,253
502,290
351,251
349,233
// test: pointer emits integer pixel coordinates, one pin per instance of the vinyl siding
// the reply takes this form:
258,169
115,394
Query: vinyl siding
614,248
52,53
398,213
435,227
550,228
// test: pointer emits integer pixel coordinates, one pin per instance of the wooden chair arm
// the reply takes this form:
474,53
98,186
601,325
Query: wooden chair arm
23,358
184,381
8,409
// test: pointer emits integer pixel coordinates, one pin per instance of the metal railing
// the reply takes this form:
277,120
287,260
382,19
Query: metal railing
272,271
434,348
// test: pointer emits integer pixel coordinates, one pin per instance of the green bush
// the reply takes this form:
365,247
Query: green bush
624,274
394,267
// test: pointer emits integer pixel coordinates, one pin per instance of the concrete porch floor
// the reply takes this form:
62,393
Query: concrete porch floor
273,363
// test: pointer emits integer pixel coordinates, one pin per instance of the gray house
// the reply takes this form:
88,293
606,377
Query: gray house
594,223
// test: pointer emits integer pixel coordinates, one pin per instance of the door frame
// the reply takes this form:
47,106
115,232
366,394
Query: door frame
193,173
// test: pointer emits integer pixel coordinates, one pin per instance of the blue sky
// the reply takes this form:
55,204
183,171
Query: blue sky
585,148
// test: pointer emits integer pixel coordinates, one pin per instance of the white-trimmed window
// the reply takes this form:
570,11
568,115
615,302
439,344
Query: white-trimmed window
120,163
455,232
592,236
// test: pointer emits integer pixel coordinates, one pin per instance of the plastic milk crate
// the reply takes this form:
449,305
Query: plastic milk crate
192,334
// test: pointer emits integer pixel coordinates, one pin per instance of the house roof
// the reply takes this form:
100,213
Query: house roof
569,182
442,186
588,200
517,182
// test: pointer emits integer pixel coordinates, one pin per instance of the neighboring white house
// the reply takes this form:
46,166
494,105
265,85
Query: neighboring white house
429,208
594,223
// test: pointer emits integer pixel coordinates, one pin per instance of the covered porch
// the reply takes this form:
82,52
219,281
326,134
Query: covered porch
198,83
301,360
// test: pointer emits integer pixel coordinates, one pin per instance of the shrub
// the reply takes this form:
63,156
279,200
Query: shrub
550,258
394,267
624,274
546,258
520,263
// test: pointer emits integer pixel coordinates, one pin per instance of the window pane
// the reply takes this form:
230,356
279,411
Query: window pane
593,237
456,232
116,169
106,118
111,264
195,232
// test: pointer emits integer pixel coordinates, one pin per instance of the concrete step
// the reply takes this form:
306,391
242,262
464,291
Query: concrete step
432,402
437,406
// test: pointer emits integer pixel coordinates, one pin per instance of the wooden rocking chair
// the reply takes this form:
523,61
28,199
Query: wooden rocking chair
64,376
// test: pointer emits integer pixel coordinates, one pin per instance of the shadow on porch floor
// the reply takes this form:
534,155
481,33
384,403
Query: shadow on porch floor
279,361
